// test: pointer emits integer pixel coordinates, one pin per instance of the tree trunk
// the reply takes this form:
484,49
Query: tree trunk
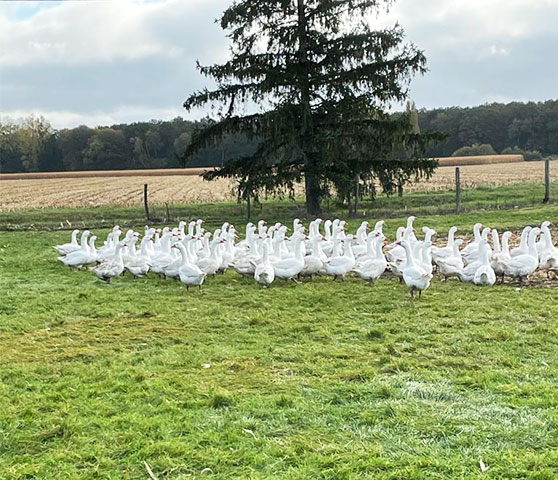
313,194
311,176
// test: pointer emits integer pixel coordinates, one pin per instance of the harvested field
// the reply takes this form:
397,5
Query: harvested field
487,175
479,160
65,191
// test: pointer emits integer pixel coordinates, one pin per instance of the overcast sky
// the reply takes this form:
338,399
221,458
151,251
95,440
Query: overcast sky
104,62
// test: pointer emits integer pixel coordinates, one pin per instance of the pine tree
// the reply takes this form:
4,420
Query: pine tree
317,80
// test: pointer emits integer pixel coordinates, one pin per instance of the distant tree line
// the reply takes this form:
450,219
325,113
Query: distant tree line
33,145
507,128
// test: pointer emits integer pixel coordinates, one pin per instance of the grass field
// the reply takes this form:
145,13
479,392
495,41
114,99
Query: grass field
128,190
321,380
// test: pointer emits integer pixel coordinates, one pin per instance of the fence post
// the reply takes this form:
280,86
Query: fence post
458,189
357,192
248,206
546,180
145,201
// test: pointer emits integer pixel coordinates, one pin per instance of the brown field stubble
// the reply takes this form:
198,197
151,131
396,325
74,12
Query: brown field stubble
103,189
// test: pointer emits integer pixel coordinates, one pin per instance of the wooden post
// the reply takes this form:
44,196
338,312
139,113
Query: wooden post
248,206
458,189
546,180
145,201
357,192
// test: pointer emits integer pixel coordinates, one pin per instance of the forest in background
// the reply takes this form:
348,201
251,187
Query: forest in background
32,145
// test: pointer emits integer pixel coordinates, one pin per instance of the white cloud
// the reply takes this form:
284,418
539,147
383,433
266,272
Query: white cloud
121,61
82,32
125,114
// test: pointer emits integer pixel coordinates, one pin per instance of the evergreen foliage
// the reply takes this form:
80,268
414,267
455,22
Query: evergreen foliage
320,79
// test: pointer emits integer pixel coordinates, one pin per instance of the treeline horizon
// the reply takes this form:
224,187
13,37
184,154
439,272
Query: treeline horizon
33,145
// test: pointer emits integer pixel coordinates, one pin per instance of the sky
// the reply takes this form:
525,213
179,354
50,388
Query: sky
102,62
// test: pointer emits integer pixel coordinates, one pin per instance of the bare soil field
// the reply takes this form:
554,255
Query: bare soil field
104,188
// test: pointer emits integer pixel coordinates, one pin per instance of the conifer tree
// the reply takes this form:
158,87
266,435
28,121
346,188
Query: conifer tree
311,80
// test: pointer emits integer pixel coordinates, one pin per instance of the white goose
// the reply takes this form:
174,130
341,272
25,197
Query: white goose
499,259
80,257
373,268
548,253
474,256
264,273
189,273
468,273
485,274
451,265
447,251
413,275
523,248
339,266
290,267
314,262
66,248
111,267
211,263
524,265
474,245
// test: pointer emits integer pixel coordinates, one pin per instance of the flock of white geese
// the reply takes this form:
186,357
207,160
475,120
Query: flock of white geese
189,253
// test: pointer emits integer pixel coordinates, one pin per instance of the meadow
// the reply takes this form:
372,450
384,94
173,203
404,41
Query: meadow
319,380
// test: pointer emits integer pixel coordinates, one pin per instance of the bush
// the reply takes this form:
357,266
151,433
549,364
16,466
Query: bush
475,149
528,155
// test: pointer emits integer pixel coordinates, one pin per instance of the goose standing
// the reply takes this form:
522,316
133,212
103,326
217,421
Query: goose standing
451,265
485,274
80,257
548,253
373,268
111,267
414,276
66,248
314,263
502,257
524,265
189,273
341,265
447,251
290,267
264,273
523,248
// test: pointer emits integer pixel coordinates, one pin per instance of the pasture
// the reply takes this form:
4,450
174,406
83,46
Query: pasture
322,379
70,189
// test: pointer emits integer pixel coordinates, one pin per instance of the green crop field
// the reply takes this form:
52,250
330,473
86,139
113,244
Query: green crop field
318,380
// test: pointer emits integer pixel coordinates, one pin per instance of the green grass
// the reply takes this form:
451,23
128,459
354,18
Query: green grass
321,380
496,199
